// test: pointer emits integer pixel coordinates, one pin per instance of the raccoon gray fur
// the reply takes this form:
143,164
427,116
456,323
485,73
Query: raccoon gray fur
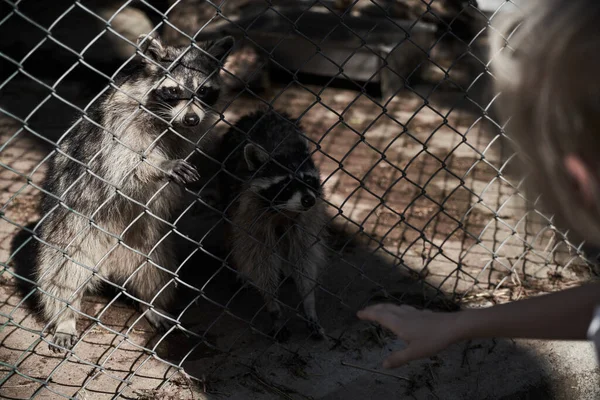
116,181
275,205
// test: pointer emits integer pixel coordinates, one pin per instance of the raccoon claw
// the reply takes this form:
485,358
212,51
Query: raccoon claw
281,334
158,322
183,172
316,330
62,341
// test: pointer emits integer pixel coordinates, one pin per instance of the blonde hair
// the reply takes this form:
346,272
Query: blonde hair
546,63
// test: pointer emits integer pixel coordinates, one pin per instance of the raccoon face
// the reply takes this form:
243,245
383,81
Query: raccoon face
282,190
190,90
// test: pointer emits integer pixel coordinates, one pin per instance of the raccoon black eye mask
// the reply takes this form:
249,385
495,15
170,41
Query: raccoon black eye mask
280,190
173,94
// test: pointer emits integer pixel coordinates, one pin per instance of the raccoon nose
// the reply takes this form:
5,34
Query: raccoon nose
191,119
307,201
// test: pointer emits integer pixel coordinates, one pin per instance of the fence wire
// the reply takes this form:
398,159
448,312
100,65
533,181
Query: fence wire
422,200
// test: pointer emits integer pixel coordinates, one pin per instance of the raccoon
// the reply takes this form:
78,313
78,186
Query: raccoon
276,210
116,181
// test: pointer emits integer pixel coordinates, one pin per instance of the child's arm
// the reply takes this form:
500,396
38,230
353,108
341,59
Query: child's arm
565,315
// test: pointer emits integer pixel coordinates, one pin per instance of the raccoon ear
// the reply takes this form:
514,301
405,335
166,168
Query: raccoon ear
255,156
151,46
220,48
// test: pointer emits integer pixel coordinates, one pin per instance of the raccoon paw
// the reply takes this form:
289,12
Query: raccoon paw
62,342
315,328
158,322
281,334
183,172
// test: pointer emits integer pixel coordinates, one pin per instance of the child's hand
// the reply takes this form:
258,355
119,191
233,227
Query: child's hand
425,333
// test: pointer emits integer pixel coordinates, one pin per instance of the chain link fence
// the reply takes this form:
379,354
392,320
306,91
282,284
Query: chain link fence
422,200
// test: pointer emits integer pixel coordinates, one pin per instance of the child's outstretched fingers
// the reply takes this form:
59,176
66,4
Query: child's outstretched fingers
399,358
425,332
387,315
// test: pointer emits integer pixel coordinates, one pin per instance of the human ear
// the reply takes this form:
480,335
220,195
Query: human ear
582,176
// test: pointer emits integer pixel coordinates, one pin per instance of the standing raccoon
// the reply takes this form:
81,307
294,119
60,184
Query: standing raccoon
115,183
273,194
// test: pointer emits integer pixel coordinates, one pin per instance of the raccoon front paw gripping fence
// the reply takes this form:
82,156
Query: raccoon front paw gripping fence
141,259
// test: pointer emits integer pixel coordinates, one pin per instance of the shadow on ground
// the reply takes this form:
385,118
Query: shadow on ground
229,353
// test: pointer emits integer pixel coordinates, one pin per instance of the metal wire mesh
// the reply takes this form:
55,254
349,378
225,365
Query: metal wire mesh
422,201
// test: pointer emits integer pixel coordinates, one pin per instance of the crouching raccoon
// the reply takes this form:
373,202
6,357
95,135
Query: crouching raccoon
273,193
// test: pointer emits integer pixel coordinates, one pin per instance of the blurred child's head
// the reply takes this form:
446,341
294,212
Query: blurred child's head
547,69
